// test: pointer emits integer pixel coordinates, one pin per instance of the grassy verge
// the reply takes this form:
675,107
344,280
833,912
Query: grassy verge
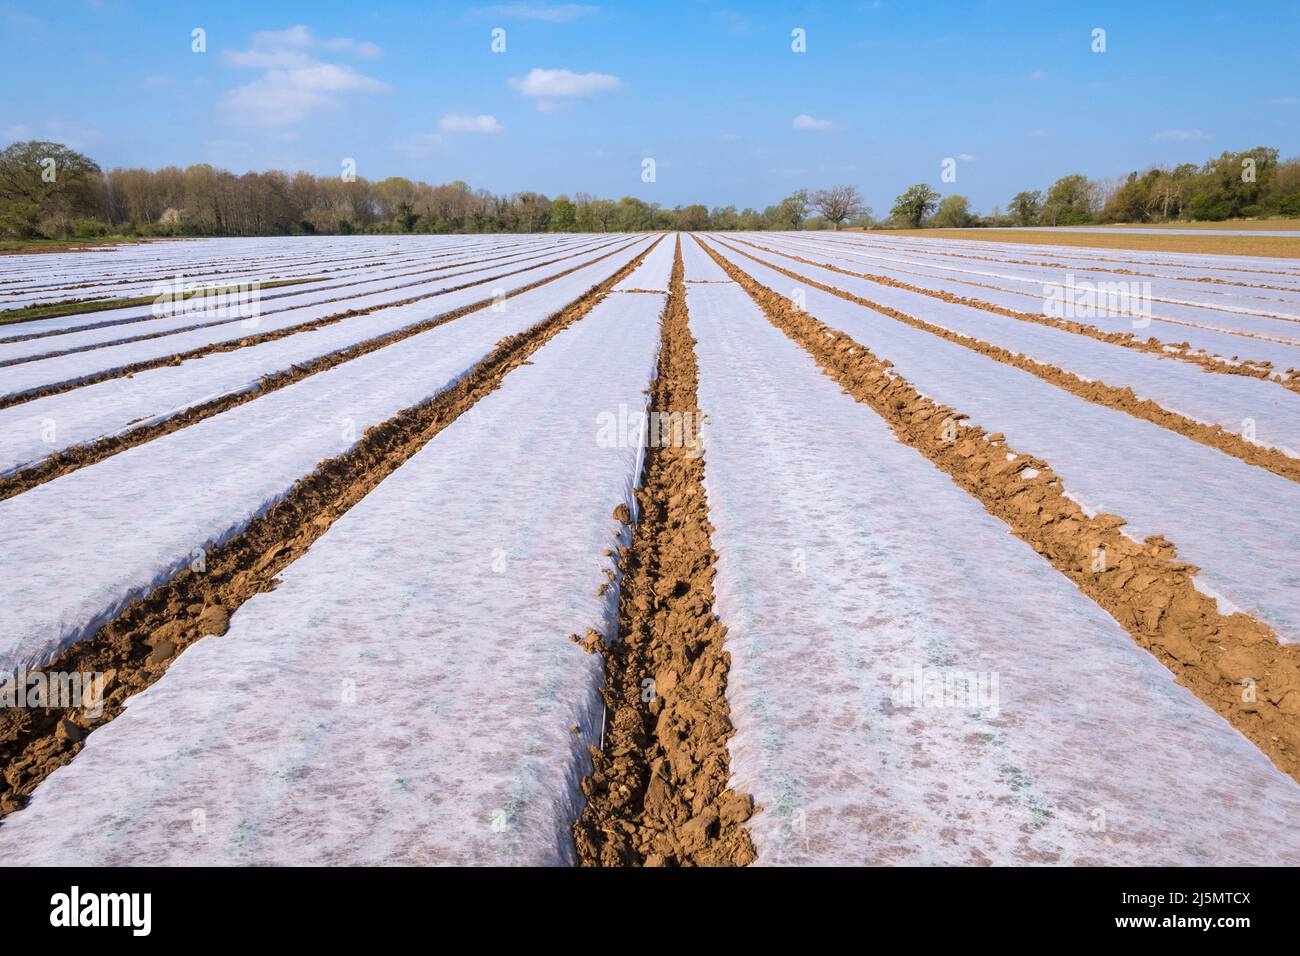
80,307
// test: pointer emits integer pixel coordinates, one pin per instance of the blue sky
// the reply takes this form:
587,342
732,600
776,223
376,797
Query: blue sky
712,91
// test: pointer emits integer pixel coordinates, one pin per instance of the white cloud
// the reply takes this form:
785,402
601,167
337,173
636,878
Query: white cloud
1182,135
1037,75
546,12
549,88
295,83
482,123
1285,101
966,157
804,121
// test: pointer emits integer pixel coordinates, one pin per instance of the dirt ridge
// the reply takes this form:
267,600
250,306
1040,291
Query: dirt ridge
658,794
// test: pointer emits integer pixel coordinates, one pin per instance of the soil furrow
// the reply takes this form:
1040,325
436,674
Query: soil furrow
135,649
1232,662
1182,351
658,794
179,357
1122,399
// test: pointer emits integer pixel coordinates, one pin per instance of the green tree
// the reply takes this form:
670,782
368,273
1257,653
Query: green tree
915,204
564,215
45,187
1025,207
1069,202
953,213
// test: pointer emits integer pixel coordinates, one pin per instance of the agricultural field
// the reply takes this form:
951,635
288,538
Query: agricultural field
710,548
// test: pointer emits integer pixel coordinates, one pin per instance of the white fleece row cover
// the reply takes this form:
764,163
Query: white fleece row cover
76,550
864,594
408,694
1236,522
33,430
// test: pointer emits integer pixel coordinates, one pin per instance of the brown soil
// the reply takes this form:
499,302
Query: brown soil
1233,663
79,456
1181,351
135,648
658,791
1122,399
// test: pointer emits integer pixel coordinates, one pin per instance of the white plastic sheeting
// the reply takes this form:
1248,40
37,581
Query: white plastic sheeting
407,695
847,565
1238,523
116,325
1216,399
33,375
31,431
75,550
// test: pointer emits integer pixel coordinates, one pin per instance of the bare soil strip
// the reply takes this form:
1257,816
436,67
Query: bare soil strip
290,308
1181,351
1120,398
658,792
1233,663
135,648
257,339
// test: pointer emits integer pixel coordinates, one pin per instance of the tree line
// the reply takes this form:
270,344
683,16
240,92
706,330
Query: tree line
48,190
1244,185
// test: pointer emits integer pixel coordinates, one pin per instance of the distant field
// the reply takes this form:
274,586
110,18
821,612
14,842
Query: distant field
1277,247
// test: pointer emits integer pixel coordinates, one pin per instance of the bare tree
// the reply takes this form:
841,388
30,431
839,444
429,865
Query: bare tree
838,203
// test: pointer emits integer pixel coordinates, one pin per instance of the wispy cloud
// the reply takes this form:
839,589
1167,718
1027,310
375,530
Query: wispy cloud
966,157
804,121
296,83
1036,76
550,88
545,12
483,123
1285,101
1182,135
